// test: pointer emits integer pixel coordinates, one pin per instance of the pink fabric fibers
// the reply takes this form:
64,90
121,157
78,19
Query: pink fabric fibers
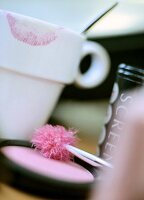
51,140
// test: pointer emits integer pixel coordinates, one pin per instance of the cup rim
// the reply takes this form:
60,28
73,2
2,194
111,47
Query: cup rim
53,58
40,21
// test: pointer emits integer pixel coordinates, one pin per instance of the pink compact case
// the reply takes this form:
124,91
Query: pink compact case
25,170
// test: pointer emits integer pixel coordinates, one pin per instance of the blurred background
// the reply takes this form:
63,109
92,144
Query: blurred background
118,26
121,33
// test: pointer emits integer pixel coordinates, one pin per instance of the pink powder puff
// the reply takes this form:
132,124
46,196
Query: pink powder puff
51,140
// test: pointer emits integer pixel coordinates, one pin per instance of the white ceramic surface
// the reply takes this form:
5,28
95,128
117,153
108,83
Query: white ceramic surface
37,59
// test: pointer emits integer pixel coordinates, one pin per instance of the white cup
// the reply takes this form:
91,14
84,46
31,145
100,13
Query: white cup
37,60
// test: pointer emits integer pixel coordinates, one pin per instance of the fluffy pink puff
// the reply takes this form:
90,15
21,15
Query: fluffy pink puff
51,140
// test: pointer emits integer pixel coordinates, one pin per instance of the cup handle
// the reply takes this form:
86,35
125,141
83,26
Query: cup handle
99,68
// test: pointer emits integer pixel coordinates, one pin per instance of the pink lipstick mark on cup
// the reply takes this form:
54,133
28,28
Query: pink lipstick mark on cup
25,33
